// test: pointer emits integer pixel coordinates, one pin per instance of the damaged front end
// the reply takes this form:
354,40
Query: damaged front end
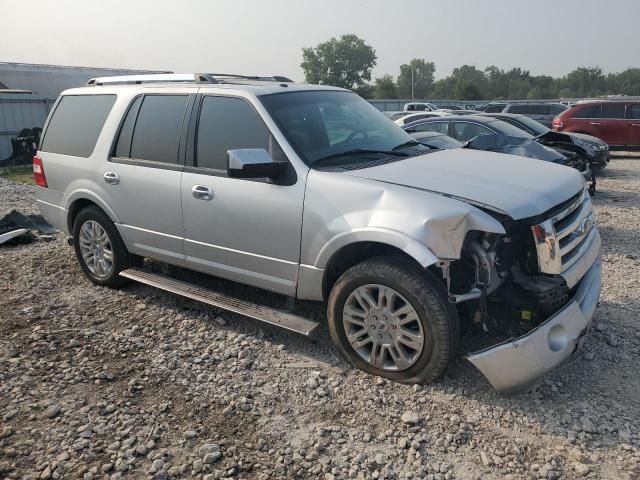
530,293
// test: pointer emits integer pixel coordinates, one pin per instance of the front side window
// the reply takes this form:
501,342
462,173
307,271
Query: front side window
227,123
590,111
152,128
522,109
464,132
76,124
557,109
326,123
613,110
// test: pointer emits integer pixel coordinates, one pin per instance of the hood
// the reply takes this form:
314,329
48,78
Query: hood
519,187
523,147
586,138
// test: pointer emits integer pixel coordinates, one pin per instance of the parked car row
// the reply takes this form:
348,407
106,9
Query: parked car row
310,192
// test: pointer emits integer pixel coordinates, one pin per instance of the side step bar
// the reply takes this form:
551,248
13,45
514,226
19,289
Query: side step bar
265,314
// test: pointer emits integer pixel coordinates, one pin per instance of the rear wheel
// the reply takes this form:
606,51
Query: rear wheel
99,248
391,318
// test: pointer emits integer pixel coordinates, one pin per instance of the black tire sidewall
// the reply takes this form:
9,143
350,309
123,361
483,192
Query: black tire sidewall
120,253
438,346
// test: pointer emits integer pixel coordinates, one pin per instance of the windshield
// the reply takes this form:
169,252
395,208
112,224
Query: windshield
508,129
327,123
536,127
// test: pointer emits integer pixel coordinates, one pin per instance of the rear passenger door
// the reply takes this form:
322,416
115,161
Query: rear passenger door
613,125
246,230
142,177
633,119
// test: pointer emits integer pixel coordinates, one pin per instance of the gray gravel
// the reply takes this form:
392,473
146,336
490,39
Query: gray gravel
96,383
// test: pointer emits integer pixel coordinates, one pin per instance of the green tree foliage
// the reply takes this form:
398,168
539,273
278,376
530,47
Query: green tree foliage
385,87
345,62
423,78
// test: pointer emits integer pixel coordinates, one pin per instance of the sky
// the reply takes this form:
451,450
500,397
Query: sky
266,36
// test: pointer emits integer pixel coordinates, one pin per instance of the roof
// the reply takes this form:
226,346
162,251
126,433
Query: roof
262,88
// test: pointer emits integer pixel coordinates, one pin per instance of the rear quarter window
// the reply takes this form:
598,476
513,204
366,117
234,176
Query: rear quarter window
589,111
76,124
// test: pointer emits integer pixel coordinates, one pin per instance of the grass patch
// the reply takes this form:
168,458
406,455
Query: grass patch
22,174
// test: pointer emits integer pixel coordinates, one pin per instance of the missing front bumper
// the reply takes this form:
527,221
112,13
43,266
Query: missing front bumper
516,364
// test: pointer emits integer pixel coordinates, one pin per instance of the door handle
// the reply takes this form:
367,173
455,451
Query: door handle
202,192
111,178
594,123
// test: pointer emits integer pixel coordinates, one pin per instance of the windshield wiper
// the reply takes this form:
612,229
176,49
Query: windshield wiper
360,151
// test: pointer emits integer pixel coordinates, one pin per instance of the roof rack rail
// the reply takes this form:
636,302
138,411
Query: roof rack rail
183,77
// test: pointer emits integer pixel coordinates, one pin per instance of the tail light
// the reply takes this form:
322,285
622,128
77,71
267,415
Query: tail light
38,172
557,123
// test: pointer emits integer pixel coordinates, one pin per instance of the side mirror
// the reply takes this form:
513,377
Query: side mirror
253,163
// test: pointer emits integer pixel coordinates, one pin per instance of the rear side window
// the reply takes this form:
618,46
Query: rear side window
225,124
438,127
76,124
613,110
557,109
464,132
156,135
591,111
633,111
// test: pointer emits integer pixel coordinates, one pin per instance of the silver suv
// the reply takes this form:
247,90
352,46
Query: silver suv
310,192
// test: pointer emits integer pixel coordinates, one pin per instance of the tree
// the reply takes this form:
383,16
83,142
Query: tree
423,73
345,62
385,87
585,82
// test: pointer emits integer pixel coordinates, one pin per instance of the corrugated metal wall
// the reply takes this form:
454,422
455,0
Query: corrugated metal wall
18,112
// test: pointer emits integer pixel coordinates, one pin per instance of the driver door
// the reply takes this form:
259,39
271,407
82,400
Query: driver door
246,230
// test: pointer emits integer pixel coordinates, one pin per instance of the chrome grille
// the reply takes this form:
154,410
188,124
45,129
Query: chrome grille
561,241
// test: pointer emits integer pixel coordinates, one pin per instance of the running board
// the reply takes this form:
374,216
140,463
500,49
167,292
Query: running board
258,312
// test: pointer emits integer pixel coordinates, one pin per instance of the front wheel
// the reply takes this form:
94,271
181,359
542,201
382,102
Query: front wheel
390,318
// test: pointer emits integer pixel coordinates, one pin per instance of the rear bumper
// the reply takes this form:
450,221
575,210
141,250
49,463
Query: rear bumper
516,364
49,202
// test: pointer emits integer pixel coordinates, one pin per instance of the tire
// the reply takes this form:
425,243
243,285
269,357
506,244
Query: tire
121,259
437,320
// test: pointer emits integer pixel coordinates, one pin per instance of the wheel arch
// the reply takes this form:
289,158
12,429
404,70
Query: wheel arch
350,254
79,200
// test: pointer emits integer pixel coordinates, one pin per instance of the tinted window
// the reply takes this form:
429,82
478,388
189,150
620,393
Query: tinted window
76,124
411,108
157,131
226,124
466,131
508,129
612,110
634,111
557,109
123,148
437,141
590,111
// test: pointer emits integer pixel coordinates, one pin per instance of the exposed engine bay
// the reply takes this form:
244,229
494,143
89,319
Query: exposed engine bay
497,287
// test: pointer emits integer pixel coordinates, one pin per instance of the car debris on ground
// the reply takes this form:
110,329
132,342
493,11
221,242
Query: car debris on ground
16,227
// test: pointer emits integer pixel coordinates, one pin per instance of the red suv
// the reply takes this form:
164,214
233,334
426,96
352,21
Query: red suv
616,122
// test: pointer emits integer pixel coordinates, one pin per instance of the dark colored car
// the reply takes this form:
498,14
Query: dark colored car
465,128
450,107
616,122
436,140
591,147
543,112
494,142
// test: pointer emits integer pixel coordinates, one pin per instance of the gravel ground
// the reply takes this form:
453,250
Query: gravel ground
96,383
